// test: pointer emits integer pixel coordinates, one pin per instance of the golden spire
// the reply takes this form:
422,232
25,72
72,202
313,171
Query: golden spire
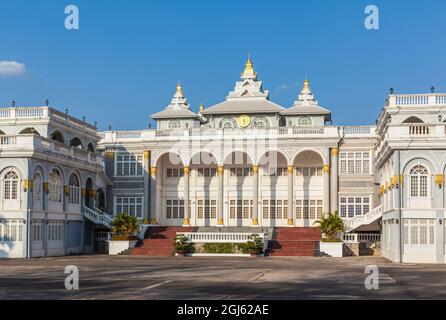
249,70
201,107
180,88
306,89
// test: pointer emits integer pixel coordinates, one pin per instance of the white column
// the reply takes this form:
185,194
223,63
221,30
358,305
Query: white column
153,214
146,168
186,221
221,171
326,172
290,216
255,198
334,179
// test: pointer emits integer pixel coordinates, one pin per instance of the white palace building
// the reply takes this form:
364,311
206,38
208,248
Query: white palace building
245,163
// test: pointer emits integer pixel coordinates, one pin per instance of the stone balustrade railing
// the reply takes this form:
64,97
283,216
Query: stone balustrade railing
361,237
353,223
31,142
408,100
219,237
237,133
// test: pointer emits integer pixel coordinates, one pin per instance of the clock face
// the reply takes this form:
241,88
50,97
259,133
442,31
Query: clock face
244,121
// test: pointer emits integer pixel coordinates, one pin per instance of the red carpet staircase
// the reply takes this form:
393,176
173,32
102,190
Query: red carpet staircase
158,241
297,242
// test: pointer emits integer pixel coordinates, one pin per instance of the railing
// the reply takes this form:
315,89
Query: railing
8,140
308,131
219,237
357,130
361,237
418,130
97,217
417,99
353,223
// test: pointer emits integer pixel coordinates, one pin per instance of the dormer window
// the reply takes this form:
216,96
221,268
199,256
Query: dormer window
305,122
227,123
261,123
174,124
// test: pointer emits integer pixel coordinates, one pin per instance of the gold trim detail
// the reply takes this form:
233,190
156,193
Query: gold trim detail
146,154
27,185
153,171
335,152
186,170
439,179
46,187
186,222
66,189
109,154
220,222
221,170
326,168
255,169
291,169
290,222
255,222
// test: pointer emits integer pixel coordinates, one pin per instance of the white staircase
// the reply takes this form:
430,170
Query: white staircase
97,216
372,216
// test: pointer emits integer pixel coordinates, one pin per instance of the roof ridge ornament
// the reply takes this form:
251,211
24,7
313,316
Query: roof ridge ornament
249,72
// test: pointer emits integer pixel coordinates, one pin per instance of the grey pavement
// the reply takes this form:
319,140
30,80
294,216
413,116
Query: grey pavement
197,278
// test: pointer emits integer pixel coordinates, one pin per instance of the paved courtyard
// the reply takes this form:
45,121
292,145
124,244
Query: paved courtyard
125,277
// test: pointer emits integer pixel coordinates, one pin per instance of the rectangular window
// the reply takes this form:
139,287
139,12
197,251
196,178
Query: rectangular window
419,232
175,209
354,163
129,205
55,230
240,209
129,165
309,209
350,207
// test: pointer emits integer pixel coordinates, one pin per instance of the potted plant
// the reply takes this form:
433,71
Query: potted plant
182,245
124,233
332,228
254,246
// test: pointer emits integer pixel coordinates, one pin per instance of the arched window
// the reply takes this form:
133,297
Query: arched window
261,123
227,123
57,136
37,190
74,190
174,124
76,142
419,182
11,185
55,186
90,147
30,131
305,122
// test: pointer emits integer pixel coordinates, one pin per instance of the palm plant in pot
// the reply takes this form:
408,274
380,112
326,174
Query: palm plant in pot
182,245
332,227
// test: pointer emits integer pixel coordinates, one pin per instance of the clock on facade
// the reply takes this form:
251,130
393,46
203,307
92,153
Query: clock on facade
244,121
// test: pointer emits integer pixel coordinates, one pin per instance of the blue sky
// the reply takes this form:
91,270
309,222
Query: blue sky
124,62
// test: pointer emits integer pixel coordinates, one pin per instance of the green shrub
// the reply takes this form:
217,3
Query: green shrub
219,248
255,244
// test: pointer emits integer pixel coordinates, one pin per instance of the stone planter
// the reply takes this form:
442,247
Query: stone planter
116,247
333,249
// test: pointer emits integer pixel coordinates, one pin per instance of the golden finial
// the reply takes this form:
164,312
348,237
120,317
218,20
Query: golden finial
249,70
179,88
201,107
306,84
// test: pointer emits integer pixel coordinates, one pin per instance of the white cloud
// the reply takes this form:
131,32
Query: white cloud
11,68
287,87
